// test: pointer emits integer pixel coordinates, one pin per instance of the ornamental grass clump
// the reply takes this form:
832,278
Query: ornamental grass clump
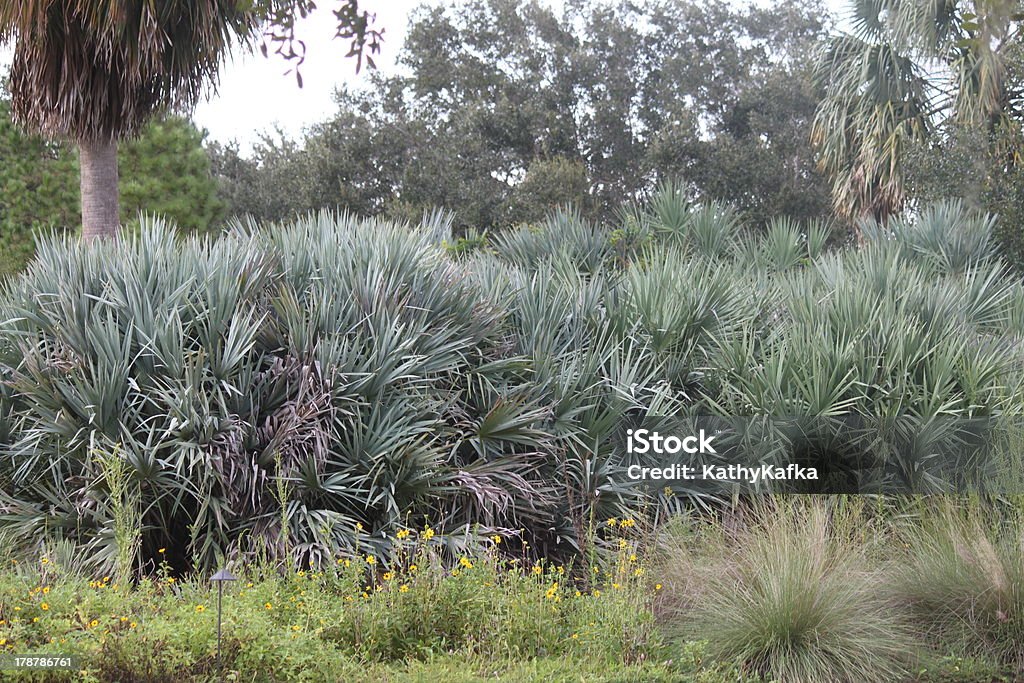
963,580
786,591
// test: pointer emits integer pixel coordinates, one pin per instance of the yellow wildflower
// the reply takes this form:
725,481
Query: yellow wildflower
537,569
657,586
296,627
638,571
612,521
200,608
388,576
44,606
46,589
404,588
162,551
132,625
403,534
370,559
627,523
427,534
268,606
413,568
94,623
465,563
45,561
496,539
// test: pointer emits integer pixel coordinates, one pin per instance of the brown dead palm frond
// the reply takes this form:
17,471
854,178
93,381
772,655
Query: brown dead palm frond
98,69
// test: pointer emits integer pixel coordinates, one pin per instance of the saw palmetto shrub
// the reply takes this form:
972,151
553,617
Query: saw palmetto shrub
308,389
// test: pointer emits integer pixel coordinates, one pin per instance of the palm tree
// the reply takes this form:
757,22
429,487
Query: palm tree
907,64
94,71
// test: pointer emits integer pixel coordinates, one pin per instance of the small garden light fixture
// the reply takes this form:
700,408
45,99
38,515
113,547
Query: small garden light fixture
219,578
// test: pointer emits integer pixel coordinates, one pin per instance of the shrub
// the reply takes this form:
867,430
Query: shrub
291,391
789,594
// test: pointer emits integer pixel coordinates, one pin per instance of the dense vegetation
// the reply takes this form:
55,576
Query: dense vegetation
387,372
505,109
802,591
305,388
165,170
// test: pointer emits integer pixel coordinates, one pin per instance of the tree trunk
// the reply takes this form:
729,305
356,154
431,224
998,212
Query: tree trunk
100,199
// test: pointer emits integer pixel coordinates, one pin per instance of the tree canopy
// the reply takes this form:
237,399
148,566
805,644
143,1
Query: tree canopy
595,103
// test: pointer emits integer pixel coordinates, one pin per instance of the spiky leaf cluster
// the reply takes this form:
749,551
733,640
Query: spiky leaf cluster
308,389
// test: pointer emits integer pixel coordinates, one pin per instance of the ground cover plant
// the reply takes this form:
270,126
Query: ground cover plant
294,400
351,620
707,599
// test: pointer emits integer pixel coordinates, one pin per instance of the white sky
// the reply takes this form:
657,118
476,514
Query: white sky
256,96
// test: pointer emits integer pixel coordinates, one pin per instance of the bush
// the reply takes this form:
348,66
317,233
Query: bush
292,391
789,594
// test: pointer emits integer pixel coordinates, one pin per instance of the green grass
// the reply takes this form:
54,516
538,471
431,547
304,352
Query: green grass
787,592
356,620
962,580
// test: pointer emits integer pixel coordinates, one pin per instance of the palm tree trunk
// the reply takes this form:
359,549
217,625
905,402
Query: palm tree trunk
98,181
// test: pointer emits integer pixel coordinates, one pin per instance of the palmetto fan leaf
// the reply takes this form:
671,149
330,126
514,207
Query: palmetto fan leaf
308,389
907,63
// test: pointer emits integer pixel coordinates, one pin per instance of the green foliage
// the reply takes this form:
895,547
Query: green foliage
350,621
509,108
164,171
273,389
548,185
124,500
973,165
38,190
